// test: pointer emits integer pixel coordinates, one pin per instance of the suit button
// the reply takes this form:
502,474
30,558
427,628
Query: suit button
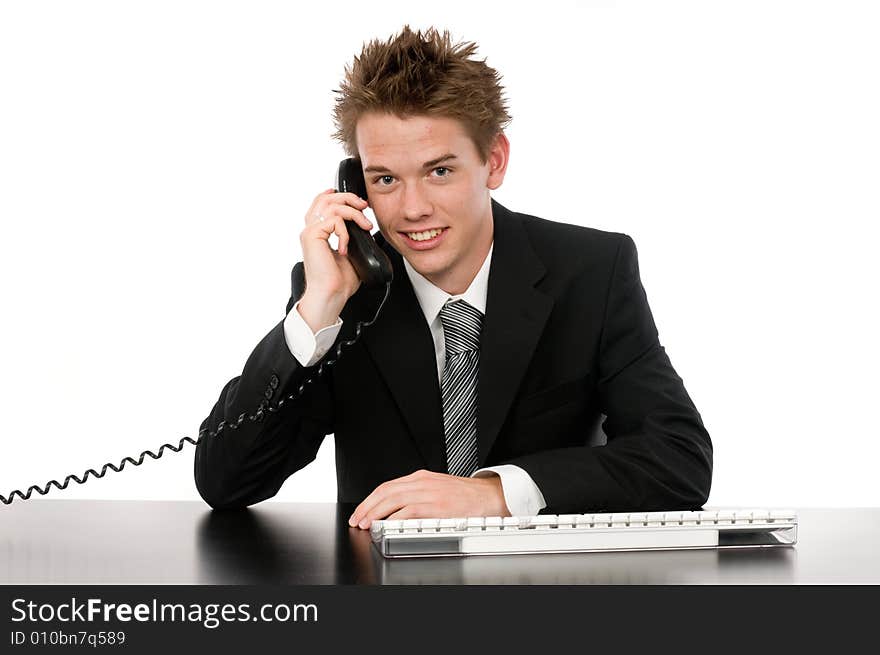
268,393
273,382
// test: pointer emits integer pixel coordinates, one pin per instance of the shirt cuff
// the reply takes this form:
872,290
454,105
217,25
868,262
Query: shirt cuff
308,347
521,494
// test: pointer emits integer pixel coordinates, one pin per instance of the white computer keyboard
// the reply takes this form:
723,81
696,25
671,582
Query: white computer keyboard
552,533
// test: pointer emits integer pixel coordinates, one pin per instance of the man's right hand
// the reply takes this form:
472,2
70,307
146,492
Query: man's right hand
330,277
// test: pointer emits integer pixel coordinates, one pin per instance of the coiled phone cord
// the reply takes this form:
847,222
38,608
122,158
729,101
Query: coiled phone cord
257,416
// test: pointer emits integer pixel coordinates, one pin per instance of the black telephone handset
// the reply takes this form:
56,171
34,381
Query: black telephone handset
369,260
373,268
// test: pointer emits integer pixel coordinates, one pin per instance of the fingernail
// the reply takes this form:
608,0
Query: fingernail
363,524
351,520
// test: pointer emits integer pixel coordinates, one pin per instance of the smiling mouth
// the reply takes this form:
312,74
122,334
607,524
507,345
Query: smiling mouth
425,235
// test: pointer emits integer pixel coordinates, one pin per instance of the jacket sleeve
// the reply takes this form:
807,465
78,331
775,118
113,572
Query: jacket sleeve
658,453
237,467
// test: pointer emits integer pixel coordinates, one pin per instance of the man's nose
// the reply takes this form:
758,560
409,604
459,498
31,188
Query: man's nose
416,204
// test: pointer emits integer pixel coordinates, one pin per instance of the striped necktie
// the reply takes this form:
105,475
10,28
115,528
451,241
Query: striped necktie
461,330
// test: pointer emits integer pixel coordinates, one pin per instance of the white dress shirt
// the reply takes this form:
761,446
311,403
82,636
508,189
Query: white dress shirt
521,494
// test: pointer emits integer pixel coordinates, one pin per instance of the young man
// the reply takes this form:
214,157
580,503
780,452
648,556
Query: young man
504,342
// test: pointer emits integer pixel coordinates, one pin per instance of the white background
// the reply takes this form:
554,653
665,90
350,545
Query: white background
157,158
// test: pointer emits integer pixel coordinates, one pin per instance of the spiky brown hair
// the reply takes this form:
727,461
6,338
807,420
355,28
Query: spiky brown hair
416,74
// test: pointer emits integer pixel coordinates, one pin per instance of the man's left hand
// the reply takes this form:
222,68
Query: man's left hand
425,494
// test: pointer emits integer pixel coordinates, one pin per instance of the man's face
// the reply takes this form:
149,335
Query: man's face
430,192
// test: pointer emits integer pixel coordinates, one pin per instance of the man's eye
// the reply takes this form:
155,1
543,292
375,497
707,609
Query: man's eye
385,179
441,171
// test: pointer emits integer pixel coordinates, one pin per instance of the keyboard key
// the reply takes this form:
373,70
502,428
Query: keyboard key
447,525
475,524
567,521
689,518
493,523
782,515
674,518
545,521
640,519
655,519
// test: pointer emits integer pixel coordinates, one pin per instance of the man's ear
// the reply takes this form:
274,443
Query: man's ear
499,155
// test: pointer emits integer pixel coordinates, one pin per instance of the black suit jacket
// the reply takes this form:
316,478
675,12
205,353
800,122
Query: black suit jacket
568,342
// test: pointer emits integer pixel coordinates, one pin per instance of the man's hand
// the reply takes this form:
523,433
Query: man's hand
330,277
425,494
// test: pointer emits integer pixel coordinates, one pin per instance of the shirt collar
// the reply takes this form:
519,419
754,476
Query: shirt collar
432,298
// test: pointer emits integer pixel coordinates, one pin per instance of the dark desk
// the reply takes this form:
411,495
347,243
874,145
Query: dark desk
155,542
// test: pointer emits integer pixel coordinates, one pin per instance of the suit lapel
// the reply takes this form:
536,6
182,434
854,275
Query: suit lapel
516,313
401,346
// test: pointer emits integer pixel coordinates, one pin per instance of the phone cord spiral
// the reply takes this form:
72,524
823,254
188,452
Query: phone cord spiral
257,416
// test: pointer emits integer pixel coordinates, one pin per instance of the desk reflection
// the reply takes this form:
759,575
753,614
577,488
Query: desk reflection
315,546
